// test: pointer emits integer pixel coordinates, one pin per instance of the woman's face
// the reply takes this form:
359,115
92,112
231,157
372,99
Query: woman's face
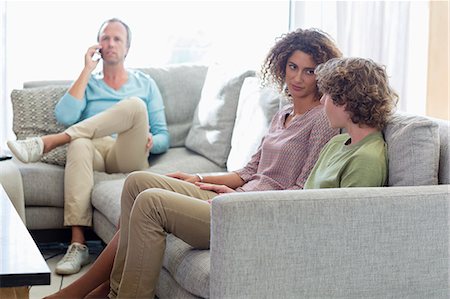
300,78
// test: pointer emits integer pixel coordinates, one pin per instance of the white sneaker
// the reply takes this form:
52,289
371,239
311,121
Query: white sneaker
27,150
77,255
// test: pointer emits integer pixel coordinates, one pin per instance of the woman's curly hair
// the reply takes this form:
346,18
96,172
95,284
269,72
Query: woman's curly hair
310,41
360,84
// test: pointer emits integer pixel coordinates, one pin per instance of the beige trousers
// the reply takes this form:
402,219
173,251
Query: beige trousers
92,148
152,206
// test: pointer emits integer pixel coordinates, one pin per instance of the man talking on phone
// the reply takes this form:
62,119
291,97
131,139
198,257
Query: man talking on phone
115,120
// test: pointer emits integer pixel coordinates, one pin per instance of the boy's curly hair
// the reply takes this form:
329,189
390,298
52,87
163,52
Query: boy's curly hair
360,84
310,41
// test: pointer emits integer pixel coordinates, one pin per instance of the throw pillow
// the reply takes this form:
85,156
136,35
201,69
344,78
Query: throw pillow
413,150
255,110
180,86
210,134
33,115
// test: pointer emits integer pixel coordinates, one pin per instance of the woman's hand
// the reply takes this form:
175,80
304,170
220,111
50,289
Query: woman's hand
216,188
190,178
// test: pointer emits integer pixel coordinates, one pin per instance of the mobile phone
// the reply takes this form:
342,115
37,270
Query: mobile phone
97,55
5,157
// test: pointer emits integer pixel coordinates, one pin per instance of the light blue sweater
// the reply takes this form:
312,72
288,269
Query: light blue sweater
99,97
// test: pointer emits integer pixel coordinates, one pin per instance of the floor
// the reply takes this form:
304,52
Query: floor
52,253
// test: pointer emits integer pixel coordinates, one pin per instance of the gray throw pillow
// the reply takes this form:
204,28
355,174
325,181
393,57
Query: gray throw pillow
413,150
210,134
33,115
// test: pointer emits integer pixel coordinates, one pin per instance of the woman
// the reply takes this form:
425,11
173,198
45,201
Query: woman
284,160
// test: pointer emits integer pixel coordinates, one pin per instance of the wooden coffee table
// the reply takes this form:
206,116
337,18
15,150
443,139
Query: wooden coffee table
21,262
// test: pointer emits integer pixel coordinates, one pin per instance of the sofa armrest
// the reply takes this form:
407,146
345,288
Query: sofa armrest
340,243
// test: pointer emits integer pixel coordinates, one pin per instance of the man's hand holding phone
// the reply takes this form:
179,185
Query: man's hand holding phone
93,56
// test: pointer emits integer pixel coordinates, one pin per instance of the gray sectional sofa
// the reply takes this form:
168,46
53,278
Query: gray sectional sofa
390,242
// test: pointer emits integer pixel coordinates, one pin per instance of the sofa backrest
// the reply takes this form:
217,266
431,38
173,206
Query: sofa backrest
418,146
180,86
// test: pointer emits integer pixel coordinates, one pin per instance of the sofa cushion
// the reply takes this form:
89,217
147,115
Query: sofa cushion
182,159
167,287
33,115
413,150
180,87
108,188
188,266
210,134
444,157
105,198
43,184
255,110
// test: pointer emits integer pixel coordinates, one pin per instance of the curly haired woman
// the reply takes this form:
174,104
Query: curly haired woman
153,205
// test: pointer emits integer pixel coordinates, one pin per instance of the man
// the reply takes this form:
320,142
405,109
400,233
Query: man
116,100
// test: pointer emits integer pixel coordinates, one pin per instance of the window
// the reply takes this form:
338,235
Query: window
47,40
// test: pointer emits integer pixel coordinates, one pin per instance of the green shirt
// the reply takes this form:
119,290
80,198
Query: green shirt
363,164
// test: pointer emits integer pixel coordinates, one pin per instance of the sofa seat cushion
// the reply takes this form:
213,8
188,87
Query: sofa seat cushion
43,183
167,287
182,159
188,266
106,193
105,198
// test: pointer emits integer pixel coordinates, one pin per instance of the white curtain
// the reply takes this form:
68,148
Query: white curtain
5,115
393,33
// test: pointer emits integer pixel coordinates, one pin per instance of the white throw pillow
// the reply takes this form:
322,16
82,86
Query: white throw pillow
210,134
255,110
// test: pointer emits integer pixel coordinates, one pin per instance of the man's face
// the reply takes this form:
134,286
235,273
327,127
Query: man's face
113,40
